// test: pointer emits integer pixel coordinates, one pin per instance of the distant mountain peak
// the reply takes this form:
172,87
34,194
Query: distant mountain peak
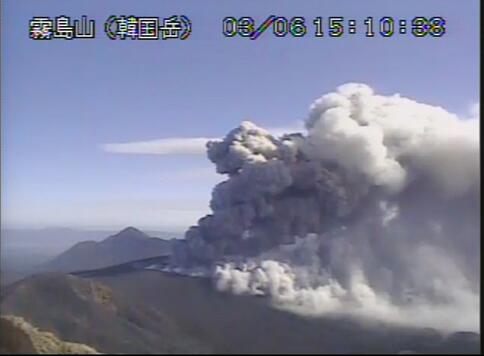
129,244
130,231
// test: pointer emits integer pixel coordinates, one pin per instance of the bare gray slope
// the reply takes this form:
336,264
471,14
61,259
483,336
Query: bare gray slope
127,245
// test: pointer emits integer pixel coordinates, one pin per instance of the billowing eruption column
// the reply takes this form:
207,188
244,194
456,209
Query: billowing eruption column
274,193
379,201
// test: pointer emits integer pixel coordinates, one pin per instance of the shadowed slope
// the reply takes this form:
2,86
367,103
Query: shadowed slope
82,310
154,312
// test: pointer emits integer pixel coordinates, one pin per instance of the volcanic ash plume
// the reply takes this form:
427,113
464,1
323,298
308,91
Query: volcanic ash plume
373,211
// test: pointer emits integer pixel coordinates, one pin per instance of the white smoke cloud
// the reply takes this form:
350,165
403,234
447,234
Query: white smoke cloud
376,135
373,212
310,290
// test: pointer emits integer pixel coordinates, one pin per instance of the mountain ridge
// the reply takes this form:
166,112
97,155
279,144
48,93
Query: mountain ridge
89,312
146,311
127,245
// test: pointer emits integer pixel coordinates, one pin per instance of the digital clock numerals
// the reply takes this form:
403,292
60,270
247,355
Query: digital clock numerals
420,26
435,26
385,27
334,26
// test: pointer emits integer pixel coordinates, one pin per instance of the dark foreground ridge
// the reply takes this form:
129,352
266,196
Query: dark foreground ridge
19,337
128,309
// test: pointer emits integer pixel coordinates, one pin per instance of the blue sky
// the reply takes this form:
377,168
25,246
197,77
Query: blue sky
63,101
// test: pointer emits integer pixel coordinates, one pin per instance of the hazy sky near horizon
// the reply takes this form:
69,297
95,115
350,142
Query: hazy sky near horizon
66,105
